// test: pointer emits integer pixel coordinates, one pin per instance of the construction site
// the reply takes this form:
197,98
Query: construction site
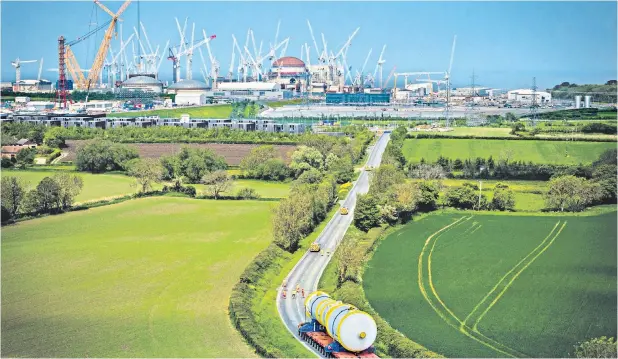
127,68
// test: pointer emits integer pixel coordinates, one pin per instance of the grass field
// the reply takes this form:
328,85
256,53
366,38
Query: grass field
480,131
144,278
263,188
486,285
214,111
552,152
96,186
528,194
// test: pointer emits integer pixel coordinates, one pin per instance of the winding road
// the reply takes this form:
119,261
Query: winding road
309,268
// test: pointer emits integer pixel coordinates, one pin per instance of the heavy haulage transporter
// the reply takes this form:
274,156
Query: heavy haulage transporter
336,329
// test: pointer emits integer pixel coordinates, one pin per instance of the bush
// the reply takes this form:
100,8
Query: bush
52,156
247,193
367,215
177,187
100,156
6,162
464,197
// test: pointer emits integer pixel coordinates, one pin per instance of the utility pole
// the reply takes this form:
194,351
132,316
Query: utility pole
480,190
533,106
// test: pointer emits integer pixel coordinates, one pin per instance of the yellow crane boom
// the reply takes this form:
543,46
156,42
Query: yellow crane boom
95,71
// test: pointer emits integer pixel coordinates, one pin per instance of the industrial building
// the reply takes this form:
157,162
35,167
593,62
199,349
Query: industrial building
143,83
249,91
357,99
525,96
189,92
99,121
289,72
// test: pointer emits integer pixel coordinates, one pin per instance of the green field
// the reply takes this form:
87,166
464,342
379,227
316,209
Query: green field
214,111
144,278
529,195
264,189
551,152
96,186
485,285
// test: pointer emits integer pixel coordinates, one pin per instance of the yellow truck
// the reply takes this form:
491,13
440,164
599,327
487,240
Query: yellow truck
315,247
343,211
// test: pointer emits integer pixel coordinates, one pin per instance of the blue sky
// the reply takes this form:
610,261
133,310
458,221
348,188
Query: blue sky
505,43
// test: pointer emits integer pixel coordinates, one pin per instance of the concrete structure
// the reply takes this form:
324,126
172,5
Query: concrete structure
189,92
357,98
578,101
143,83
130,122
587,101
95,105
420,89
524,96
249,91
289,72
40,105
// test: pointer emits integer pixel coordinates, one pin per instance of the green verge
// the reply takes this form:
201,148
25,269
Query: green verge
253,308
389,342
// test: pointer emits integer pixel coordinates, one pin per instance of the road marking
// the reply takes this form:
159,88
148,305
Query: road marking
509,272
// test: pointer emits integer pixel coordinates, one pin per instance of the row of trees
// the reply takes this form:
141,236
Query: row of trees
52,195
101,156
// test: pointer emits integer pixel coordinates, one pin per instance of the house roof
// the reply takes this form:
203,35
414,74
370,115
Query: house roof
11,149
23,141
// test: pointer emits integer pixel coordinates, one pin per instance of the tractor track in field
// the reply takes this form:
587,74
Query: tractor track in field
448,315
444,312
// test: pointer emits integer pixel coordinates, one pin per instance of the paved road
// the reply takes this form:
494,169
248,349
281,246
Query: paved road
309,269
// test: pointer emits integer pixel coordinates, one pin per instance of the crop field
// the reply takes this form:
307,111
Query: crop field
233,153
214,111
96,186
145,278
551,152
494,285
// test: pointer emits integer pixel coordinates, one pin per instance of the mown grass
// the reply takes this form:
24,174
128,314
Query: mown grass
214,111
567,295
265,189
550,152
96,186
145,278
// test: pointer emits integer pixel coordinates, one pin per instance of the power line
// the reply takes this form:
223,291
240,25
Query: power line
533,106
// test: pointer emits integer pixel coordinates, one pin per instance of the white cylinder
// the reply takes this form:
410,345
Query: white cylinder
587,101
578,101
355,330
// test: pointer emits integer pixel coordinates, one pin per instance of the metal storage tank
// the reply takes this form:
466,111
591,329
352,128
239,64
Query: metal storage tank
578,101
587,101
355,330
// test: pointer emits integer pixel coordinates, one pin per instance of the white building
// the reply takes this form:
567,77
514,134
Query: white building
525,96
248,90
143,83
189,92
289,72
39,105
420,89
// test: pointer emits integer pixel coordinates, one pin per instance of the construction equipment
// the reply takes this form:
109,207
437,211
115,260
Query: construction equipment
314,247
379,65
344,211
175,57
17,65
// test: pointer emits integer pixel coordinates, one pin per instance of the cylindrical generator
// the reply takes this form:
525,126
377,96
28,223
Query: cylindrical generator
355,330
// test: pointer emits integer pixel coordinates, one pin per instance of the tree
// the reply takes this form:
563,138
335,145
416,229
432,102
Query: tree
13,193
98,156
191,164
217,182
256,158
384,177
602,347
393,155
146,172
503,199
291,220
311,176
429,192
273,169
70,187
305,158
54,137
366,214
25,157
46,197
464,197
406,196
332,160
429,172
572,193
349,259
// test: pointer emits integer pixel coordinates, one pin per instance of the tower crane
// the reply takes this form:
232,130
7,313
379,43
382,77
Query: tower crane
175,57
321,56
358,80
214,65
230,72
333,58
380,65
17,65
